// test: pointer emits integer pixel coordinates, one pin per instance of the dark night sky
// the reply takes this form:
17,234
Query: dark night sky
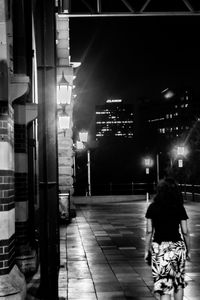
132,57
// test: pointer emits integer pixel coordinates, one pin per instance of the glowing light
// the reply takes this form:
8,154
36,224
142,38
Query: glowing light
79,145
64,122
180,163
114,101
64,91
83,135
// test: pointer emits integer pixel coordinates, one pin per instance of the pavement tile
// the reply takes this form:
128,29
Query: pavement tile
82,296
129,278
104,278
111,286
110,295
80,285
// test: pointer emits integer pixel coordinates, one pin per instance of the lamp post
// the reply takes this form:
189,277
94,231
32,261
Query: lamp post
157,168
148,163
83,136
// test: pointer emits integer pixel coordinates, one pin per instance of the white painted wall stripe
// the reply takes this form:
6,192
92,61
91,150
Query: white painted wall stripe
6,156
7,224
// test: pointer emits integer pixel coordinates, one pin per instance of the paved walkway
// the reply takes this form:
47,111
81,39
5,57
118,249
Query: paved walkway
105,245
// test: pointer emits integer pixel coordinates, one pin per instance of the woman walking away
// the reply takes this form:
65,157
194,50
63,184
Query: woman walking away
167,240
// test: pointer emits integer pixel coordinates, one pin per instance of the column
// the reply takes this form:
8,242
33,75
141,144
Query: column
26,257
11,280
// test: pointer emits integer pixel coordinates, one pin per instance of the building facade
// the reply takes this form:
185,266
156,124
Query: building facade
36,157
171,117
114,119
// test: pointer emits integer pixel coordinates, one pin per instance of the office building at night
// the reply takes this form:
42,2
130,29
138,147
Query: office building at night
114,119
167,122
171,118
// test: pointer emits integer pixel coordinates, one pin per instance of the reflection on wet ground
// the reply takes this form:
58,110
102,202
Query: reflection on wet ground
105,245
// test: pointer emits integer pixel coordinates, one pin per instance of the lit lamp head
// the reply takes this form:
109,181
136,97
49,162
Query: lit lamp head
79,145
148,163
179,153
83,136
64,123
182,152
64,92
180,163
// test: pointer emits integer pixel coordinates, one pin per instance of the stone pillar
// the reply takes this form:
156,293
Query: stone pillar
21,180
65,143
26,257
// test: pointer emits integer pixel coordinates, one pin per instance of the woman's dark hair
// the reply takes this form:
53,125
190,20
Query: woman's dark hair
168,193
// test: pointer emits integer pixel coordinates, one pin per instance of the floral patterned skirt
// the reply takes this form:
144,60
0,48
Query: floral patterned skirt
168,266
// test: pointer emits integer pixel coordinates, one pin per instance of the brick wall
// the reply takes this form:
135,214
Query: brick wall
7,205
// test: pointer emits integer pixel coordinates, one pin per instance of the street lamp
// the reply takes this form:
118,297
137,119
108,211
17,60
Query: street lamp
148,163
83,136
179,153
64,93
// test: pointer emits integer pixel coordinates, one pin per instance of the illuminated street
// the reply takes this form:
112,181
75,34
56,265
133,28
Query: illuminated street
105,245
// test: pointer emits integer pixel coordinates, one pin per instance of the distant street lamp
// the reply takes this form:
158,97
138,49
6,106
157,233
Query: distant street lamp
179,153
83,136
148,163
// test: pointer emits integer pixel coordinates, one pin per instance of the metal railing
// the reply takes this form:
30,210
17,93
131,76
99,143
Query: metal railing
190,191
113,188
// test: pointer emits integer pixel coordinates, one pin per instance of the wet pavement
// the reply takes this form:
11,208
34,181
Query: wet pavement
105,249
102,253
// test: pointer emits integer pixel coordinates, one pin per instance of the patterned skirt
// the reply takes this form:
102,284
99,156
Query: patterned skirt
168,266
